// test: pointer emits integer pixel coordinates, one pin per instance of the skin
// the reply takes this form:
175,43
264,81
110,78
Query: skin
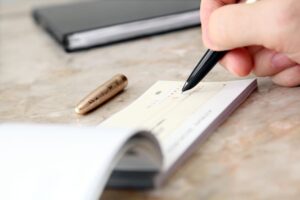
262,37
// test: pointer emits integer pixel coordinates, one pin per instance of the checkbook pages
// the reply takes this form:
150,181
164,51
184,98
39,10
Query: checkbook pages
179,121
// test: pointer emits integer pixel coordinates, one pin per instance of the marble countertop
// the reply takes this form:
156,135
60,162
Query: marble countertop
255,154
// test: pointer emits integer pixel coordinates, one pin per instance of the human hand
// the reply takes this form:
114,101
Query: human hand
263,37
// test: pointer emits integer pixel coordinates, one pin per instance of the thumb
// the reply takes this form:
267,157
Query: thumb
239,25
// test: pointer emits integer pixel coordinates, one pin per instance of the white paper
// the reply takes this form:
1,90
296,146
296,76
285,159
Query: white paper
56,163
178,119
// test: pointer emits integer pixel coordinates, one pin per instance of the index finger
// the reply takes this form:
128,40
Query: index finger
206,9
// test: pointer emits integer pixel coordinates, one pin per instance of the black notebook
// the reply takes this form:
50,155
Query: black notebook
83,25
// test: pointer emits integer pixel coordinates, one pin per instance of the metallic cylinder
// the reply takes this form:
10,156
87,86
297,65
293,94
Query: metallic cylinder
102,94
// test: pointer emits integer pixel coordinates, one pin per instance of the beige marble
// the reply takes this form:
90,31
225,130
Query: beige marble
255,154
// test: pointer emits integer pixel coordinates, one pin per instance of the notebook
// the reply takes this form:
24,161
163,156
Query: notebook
138,147
82,25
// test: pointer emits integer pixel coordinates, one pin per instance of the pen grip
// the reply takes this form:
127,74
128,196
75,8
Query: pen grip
208,61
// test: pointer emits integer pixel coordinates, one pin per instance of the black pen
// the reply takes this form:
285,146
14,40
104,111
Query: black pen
207,62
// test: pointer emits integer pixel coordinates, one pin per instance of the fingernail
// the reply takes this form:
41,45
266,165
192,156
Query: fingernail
281,61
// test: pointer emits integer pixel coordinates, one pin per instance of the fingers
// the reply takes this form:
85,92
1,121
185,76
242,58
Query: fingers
281,61
268,63
227,25
263,62
239,25
289,77
254,49
238,62
206,8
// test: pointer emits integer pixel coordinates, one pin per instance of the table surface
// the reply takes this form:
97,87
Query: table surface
255,154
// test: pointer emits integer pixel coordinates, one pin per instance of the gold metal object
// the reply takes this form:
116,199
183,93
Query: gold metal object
102,94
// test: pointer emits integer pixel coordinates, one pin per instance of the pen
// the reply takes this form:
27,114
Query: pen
102,94
207,62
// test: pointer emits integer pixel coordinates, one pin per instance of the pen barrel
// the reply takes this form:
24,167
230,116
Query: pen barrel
102,94
208,61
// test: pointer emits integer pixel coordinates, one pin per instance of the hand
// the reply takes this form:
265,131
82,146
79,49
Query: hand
263,37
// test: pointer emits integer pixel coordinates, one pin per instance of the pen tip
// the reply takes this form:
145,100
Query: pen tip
185,87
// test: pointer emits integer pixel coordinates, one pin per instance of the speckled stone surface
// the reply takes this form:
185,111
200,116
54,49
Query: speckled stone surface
255,154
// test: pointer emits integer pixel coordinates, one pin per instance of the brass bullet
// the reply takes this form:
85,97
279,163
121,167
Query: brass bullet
102,94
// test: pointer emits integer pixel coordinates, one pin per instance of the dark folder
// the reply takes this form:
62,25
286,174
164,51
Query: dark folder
88,24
